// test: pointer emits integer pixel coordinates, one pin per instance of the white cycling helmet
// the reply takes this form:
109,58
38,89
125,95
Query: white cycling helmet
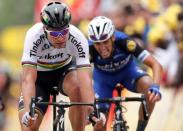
100,29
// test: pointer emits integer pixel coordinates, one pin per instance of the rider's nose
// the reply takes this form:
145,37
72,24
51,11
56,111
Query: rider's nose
102,46
59,38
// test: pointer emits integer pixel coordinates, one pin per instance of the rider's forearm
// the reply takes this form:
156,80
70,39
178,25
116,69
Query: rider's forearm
29,76
28,90
85,81
157,73
156,67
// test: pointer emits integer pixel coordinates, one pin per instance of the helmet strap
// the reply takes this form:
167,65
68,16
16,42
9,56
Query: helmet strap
46,34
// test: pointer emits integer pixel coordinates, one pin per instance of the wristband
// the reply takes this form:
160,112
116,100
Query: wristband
154,88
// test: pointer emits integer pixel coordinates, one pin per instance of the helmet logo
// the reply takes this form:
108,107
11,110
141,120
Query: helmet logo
45,17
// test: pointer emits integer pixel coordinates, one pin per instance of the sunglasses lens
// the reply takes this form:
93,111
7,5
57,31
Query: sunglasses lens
59,33
55,34
93,37
102,37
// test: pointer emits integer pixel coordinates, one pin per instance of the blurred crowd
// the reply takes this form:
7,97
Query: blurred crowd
156,24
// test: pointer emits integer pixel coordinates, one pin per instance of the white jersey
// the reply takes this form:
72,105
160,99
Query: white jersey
40,53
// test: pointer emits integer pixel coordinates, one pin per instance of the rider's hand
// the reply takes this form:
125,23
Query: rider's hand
27,119
154,93
98,123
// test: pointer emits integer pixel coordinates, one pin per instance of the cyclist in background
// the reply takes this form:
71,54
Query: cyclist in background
5,96
113,54
55,53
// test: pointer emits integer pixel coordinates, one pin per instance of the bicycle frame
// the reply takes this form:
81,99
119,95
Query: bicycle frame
111,115
115,111
118,100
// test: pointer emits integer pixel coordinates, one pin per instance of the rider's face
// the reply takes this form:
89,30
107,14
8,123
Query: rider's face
57,38
105,48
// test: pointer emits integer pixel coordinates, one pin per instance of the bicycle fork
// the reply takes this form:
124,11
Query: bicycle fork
119,124
59,121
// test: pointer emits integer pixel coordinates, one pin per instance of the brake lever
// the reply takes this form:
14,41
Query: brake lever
144,105
32,106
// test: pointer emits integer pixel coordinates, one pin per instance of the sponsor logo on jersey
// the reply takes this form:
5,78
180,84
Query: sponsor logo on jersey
131,45
114,66
33,51
49,56
77,45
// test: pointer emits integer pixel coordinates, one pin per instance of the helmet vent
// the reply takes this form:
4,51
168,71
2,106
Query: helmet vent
57,15
104,28
92,29
98,29
57,3
64,18
51,18
56,11
50,4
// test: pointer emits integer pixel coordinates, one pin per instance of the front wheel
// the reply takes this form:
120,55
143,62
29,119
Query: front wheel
120,126
119,123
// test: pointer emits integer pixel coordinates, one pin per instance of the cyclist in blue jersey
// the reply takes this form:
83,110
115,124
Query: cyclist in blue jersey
114,55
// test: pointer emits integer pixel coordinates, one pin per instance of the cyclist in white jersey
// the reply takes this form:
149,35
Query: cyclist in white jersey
55,54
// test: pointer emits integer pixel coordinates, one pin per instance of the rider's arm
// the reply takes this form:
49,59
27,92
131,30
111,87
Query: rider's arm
156,68
85,81
29,63
81,54
144,56
28,84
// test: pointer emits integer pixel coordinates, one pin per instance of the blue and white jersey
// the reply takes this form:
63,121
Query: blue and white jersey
125,49
120,67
